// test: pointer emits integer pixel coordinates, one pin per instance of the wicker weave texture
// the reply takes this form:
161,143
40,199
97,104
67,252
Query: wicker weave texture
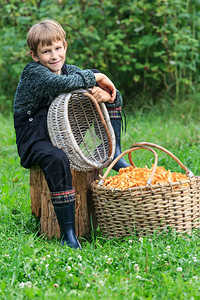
75,127
150,208
144,210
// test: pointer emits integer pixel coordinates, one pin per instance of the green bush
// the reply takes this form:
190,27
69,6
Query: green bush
148,48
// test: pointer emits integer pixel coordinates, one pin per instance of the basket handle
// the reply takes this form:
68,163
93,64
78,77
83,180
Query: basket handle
187,171
102,120
133,148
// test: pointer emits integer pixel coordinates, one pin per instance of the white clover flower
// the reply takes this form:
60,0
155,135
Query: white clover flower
29,284
194,259
21,285
69,268
56,285
101,283
46,265
79,264
87,285
138,276
168,248
106,270
130,241
179,269
140,239
79,257
109,261
195,277
126,255
136,267
48,255
69,258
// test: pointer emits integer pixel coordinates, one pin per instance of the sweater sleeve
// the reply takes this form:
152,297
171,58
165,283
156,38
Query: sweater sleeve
118,102
38,82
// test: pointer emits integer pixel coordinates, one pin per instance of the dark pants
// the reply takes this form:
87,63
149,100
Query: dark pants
55,165
36,148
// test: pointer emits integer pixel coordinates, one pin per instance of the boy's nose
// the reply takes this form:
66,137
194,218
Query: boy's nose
53,55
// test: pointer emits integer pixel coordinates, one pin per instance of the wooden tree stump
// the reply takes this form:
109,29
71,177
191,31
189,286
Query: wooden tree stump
43,209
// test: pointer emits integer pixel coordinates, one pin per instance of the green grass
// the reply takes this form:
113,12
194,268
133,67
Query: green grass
162,266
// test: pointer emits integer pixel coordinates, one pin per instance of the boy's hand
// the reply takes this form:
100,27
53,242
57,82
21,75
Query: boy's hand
106,84
101,95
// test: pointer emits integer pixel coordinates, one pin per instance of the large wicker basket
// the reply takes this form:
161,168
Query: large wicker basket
150,208
81,127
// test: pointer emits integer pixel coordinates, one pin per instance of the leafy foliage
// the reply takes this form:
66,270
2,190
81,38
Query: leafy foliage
147,48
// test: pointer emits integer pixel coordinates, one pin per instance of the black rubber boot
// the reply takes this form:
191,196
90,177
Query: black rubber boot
66,219
116,124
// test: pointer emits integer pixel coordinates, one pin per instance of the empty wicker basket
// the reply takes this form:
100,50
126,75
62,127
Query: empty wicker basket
82,129
150,208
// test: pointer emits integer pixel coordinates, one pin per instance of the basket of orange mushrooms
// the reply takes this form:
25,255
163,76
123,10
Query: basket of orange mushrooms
146,200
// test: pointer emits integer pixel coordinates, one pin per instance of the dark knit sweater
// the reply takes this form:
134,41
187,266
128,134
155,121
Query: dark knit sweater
38,83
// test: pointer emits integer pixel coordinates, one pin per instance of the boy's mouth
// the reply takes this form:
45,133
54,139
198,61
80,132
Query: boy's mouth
55,63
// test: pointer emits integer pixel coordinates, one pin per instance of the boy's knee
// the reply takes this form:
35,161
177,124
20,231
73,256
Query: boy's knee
59,158
49,156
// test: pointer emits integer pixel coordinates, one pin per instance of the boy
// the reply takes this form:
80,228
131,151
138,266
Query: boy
41,81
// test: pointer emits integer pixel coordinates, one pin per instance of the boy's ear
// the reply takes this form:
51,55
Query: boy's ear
34,56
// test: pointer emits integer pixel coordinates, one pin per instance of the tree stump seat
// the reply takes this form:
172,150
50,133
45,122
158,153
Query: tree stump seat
43,209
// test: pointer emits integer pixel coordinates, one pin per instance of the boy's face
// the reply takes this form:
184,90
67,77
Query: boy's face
52,57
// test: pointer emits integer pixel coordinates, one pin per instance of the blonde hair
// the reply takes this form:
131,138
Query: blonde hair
45,32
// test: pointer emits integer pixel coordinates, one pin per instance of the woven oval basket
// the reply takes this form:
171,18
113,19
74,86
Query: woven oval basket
146,209
81,127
